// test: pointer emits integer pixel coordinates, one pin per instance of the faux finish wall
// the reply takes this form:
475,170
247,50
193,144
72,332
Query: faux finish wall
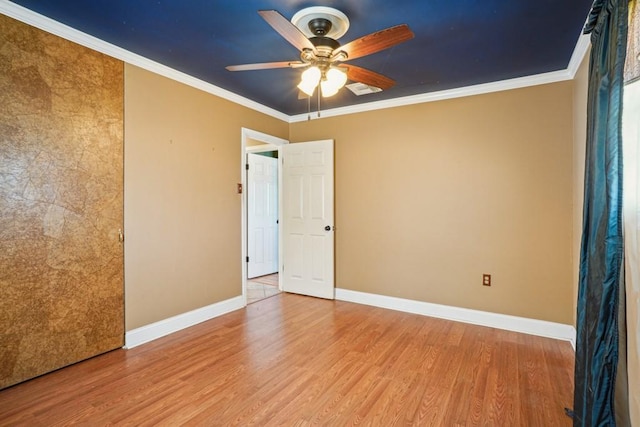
61,198
431,196
182,212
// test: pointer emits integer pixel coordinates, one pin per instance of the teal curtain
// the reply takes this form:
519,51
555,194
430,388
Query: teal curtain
601,256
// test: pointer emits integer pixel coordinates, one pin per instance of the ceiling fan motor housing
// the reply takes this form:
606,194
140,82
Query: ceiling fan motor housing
321,42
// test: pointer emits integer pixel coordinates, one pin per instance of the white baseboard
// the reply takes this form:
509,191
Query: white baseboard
525,325
482,318
173,324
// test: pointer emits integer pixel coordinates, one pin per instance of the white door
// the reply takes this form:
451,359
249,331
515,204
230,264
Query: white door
307,219
262,215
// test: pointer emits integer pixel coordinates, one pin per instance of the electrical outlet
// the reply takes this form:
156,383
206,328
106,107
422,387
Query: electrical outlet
486,280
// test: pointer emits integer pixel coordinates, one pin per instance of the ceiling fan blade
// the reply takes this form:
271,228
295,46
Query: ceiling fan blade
265,65
368,77
377,41
286,29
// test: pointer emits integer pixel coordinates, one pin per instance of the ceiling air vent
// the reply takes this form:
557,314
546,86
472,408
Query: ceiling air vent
362,89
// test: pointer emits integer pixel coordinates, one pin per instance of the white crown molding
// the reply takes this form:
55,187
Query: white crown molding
579,52
517,83
54,27
61,30
482,318
177,323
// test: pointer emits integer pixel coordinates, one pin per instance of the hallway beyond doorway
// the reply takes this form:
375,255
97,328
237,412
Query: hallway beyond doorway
262,287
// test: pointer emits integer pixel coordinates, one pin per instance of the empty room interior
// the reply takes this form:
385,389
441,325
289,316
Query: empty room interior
187,244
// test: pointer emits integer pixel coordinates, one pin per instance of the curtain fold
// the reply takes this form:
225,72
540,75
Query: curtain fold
601,279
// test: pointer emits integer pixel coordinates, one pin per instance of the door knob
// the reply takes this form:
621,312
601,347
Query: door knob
328,228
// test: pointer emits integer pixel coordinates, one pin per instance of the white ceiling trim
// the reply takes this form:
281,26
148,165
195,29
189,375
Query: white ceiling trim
54,27
579,52
521,82
581,49
61,30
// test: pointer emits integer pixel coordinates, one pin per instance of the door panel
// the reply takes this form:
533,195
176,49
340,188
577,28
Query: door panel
262,215
308,248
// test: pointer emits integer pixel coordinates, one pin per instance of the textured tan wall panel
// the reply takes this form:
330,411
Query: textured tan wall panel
61,197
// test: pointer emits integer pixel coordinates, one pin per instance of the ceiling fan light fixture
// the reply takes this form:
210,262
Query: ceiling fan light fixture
314,32
309,80
334,80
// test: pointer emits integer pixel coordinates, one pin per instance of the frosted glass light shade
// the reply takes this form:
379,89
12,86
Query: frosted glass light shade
335,79
309,81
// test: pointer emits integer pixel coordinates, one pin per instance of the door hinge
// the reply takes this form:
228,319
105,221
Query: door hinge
247,259
246,166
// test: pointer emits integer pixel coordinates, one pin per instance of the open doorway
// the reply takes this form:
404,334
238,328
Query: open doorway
262,221
261,236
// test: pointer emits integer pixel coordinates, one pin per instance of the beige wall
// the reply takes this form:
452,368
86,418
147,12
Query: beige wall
580,84
250,142
428,198
182,212
431,196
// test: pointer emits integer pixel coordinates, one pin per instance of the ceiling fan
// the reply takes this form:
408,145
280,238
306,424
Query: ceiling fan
314,31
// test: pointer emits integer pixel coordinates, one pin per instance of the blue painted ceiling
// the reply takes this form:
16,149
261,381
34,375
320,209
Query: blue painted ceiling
457,42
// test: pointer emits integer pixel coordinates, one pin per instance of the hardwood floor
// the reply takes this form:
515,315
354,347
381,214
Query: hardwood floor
294,360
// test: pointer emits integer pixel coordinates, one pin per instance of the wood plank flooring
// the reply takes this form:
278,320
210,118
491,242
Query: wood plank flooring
295,361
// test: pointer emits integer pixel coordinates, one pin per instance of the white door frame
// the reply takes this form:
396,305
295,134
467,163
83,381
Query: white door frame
262,186
275,144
